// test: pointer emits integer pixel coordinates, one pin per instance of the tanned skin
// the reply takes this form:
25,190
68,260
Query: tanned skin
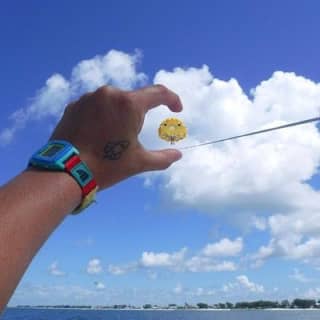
104,126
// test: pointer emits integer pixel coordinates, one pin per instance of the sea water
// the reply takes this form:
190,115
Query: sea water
74,314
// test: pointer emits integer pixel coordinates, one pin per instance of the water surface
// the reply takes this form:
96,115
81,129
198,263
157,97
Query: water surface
65,314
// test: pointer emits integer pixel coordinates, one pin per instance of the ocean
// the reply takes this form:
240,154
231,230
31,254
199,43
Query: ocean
63,314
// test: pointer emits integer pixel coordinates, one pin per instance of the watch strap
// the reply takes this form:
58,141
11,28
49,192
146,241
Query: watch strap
81,173
67,160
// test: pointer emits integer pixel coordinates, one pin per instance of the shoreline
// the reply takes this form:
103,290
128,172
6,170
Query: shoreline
161,309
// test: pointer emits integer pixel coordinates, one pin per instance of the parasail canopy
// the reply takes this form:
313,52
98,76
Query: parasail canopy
172,130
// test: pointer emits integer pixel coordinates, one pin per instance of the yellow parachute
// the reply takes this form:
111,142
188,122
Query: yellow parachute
172,130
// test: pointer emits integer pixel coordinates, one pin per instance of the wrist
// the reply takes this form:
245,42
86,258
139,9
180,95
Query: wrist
64,190
62,156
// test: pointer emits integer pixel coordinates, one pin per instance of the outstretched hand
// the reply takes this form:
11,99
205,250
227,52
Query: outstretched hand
104,126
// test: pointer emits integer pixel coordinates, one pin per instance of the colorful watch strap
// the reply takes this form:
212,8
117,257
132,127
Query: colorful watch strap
66,158
80,171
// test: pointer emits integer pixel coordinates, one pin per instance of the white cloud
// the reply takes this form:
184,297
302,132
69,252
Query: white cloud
294,235
94,266
114,68
179,290
242,286
55,271
251,286
224,248
120,270
99,285
259,223
244,175
6,136
76,294
228,287
179,261
200,292
259,181
116,270
162,259
28,293
299,276
205,264
49,100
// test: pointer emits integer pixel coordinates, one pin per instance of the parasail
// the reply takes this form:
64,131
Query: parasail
172,130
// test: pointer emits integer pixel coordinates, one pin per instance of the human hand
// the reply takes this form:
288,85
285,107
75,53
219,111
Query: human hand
104,126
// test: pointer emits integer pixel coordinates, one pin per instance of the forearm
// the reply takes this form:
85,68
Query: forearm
104,126
32,206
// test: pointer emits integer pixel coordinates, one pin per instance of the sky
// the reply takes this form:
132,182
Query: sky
229,222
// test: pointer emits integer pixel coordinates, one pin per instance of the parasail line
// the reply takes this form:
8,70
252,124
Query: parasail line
253,133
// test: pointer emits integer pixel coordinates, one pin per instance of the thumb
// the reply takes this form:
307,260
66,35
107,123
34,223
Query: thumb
161,159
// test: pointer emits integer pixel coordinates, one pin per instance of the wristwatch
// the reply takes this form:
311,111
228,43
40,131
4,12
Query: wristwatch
60,155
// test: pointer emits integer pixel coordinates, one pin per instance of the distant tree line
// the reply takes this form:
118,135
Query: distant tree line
264,304
259,304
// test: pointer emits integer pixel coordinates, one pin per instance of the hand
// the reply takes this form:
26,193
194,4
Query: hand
104,127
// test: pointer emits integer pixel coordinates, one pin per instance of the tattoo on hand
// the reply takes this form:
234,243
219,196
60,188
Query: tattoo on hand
113,150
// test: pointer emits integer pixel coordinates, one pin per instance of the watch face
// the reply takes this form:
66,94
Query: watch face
52,150
53,155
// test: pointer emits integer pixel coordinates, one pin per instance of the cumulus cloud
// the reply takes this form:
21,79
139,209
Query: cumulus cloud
242,284
55,271
259,223
162,259
49,101
94,266
205,264
6,135
179,290
201,292
250,174
299,276
261,181
73,294
294,235
263,253
180,261
224,248
251,286
119,270
99,285
114,68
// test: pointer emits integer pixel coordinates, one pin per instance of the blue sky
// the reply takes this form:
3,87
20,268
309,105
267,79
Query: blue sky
230,223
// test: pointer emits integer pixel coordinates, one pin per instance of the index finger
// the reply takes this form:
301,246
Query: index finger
153,96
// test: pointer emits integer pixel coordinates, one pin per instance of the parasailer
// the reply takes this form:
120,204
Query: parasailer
172,130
